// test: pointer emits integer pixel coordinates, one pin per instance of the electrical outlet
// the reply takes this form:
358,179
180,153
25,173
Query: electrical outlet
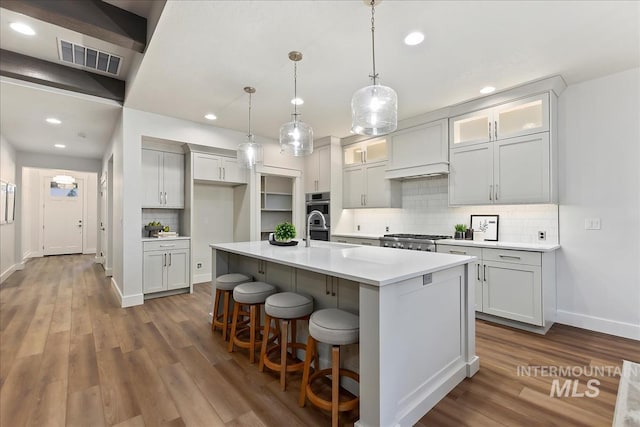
542,235
199,265
592,224
358,227
386,229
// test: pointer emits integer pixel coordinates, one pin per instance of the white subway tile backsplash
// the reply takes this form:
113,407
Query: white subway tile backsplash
170,217
425,209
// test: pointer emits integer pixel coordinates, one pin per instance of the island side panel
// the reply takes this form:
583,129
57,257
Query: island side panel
471,359
413,346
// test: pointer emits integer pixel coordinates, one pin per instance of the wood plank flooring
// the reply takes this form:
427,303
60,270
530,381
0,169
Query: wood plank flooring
70,356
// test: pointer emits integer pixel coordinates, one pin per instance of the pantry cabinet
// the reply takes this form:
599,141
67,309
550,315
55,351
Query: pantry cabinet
165,265
162,179
512,284
318,171
217,169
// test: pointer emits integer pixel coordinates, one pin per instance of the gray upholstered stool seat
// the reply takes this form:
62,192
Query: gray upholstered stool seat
224,286
334,326
251,295
253,292
227,282
288,305
285,308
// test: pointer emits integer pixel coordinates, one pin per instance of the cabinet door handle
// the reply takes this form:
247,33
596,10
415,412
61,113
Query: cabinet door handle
160,196
478,265
495,129
365,156
497,191
362,157
489,131
167,246
509,256
169,259
224,173
458,252
365,199
333,287
326,285
165,197
164,263
490,192
484,273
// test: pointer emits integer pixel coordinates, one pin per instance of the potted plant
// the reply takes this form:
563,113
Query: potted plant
284,232
460,231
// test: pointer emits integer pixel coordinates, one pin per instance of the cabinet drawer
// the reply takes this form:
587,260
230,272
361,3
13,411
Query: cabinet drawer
516,257
166,245
460,250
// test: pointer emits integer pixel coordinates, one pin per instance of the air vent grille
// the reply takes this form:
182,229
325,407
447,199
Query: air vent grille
87,57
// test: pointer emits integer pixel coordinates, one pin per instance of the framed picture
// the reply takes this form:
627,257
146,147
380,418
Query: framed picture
488,224
11,202
3,202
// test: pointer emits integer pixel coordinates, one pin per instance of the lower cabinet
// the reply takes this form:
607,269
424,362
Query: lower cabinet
365,241
165,265
512,284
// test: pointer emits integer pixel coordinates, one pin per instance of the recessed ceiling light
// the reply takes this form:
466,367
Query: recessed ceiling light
59,145
297,101
53,121
487,89
22,28
414,38
210,116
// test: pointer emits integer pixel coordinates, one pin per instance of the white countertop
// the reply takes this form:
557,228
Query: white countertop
358,235
534,247
373,265
155,239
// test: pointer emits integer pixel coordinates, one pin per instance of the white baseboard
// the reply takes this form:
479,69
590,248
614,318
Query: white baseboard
89,251
108,271
98,259
8,272
599,324
202,277
126,301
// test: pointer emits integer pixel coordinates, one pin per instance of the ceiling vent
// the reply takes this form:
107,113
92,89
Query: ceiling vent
92,59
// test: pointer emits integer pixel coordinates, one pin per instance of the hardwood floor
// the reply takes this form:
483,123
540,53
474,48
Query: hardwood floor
70,356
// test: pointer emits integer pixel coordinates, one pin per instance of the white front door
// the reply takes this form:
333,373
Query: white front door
62,220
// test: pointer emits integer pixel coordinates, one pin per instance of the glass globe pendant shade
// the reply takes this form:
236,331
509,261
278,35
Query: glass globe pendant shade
374,110
296,138
249,154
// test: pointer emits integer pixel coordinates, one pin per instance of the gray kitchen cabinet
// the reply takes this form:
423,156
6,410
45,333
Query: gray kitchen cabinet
318,170
419,150
513,284
217,169
328,291
365,186
165,265
162,179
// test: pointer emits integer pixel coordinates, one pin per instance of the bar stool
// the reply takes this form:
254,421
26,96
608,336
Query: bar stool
285,308
335,327
253,295
224,287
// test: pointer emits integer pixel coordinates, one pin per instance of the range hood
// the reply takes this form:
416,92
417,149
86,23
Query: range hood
433,169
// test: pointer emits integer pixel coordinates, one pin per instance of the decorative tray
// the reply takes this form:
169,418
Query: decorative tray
276,243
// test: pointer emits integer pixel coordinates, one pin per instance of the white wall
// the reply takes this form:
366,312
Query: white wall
425,210
8,233
598,271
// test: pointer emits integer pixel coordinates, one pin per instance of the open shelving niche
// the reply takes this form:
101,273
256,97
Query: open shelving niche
276,194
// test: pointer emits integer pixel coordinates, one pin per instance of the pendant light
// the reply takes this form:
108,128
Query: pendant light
374,109
250,152
296,137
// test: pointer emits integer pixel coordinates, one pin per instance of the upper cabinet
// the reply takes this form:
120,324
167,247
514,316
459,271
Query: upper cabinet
218,169
522,117
162,179
371,151
318,170
363,178
503,154
419,150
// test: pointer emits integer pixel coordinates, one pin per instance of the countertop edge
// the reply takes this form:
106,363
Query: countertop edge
532,247
358,235
162,239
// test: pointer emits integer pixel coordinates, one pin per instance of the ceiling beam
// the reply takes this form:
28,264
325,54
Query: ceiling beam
35,70
93,18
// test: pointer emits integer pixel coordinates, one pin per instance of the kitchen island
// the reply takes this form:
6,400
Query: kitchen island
417,331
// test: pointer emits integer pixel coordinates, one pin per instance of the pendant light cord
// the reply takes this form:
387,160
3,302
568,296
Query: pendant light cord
295,91
250,133
374,76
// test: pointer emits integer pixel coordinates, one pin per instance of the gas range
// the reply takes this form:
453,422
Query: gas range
417,242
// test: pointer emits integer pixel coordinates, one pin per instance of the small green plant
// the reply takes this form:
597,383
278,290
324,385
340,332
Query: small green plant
284,231
460,228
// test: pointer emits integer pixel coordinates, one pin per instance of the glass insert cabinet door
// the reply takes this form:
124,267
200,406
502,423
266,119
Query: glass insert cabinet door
371,151
472,128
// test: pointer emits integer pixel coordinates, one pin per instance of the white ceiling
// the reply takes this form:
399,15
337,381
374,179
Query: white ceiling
204,52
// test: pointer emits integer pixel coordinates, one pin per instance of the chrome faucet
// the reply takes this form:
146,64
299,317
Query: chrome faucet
311,215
